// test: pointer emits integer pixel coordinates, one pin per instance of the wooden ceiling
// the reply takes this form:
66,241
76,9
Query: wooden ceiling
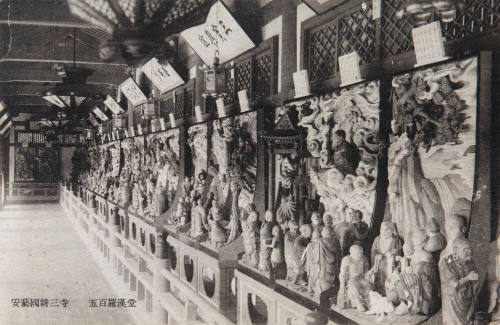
38,35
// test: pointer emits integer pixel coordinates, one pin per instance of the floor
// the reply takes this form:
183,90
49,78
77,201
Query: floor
42,257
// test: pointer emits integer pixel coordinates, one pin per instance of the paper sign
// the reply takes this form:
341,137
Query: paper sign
243,99
4,117
301,83
97,111
162,124
53,99
139,129
376,9
2,105
428,43
113,105
164,77
126,133
172,120
221,110
93,120
153,126
349,68
133,93
197,112
132,132
220,36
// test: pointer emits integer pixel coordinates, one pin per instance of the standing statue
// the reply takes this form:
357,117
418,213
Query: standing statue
277,254
354,287
290,237
329,259
316,223
359,229
250,235
266,240
385,249
217,233
343,229
299,247
160,201
311,258
458,284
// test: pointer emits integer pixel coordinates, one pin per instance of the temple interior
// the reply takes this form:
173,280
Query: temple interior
250,162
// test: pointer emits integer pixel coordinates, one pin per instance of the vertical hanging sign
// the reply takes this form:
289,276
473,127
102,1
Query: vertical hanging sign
428,43
133,93
93,120
376,9
164,77
220,36
349,69
97,111
301,83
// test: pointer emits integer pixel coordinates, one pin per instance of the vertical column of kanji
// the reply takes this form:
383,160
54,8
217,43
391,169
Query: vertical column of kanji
160,283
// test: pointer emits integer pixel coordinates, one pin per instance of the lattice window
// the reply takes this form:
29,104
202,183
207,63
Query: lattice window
210,105
396,33
323,52
243,75
179,104
477,16
23,137
262,76
357,33
167,106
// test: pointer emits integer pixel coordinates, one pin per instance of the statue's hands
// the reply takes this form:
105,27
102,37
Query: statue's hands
472,276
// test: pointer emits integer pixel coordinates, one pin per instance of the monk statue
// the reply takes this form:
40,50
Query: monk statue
217,232
250,235
316,223
459,277
198,219
290,236
266,240
354,287
311,258
277,253
160,201
385,249
329,259
299,246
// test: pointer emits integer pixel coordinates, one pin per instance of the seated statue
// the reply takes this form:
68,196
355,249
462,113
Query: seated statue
198,219
459,277
385,249
354,287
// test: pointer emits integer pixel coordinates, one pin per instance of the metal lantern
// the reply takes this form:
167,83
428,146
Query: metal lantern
215,80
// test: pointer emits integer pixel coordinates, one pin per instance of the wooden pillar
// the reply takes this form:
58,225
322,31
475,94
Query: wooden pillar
160,283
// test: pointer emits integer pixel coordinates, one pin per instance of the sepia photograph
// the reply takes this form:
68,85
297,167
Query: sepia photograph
249,162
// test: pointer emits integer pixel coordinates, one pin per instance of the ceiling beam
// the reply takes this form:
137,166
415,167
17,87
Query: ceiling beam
48,23
26,60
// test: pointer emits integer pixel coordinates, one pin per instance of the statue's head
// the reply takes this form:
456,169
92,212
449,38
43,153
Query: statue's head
462,249
315,218
306,230
387,229
326,232
356,252
338,137
327,219
276,230
357,216
418,238
269,216
293,226
454,226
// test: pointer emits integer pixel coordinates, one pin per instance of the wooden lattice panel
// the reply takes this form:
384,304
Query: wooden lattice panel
179,104
243,75
477,16
229,86
262,76
167,106
188,102
323,52
396,33
357,33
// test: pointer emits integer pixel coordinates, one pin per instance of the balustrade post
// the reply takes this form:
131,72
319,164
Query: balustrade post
160,283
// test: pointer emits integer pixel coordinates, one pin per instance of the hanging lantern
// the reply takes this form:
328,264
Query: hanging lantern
214,80
419,12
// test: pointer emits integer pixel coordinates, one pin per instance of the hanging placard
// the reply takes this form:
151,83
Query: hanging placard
97,111
93,120
139,129
113,105
349,69
198,114
133,93
243,99
5,128
164,77
301,83
220,36
162,124
53,99
126,133
428,43
172,120
376,9
221,109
